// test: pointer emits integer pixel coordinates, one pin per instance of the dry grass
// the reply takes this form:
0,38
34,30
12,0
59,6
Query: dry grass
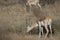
15,36
13,21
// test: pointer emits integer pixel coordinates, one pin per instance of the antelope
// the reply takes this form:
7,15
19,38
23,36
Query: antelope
33,2
45,21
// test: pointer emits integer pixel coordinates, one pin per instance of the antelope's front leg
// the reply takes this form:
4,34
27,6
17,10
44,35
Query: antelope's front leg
46,27
40,6
39,25
50,29
40,31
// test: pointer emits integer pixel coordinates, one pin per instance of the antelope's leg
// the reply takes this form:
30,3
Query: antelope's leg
50,29
39,6
40,31
39,25
46,27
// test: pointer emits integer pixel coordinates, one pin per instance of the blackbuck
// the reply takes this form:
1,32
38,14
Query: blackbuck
45,22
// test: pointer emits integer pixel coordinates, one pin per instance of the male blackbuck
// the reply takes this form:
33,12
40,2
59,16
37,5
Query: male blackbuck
46,22
33,2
